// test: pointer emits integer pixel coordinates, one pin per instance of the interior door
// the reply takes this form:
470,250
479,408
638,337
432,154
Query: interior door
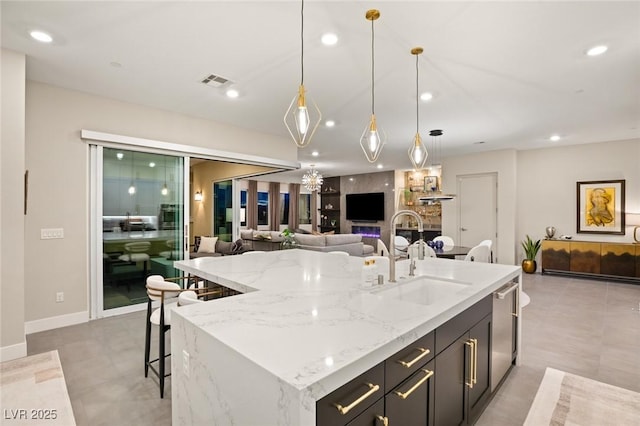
477,214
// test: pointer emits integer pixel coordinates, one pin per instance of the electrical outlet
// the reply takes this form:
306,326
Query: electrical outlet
185,363
59,297
51,233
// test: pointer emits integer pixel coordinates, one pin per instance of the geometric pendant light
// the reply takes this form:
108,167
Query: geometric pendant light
373,138
303,115
417,152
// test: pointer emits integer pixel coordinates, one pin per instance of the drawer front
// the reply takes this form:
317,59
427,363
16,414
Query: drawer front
411,403
449,332
408,360
371,416
345,403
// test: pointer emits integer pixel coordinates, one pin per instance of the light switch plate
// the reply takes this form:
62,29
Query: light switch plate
51,233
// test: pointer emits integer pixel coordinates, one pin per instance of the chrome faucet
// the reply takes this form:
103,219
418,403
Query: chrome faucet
392,244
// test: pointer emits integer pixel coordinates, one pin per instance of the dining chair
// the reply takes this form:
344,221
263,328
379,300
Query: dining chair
447,241
479,253
420,246
381,248
489,244
401,245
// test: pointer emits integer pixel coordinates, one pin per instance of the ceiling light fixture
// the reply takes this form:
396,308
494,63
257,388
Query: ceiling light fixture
329,123
417,152
435,195
597,50
329,39
302,122
312,180
554,138
426,97
370,141
232,93
315,153
41,36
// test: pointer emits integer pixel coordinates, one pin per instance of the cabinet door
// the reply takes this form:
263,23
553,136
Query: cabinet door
411,402
450,383
479,393
555,255
372,416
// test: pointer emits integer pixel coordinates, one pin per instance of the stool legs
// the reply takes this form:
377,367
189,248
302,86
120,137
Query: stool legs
147,341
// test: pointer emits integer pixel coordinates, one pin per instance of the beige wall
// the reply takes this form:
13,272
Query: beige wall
59,190
504,164
204,174
547,185
12,167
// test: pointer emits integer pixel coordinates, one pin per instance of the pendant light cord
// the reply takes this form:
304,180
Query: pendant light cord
373,96
417,115
302,44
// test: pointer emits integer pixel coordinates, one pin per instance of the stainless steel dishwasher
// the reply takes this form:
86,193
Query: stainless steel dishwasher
504,328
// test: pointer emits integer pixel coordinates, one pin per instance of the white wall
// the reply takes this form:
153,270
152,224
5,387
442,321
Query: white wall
59,163
12,167
547,185
504,164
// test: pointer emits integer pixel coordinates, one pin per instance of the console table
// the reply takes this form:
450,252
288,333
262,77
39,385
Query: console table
610,261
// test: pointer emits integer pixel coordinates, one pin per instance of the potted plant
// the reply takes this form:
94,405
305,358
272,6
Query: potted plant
288,239
531,249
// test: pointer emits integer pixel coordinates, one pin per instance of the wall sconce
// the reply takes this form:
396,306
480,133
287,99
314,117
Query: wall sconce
633,219
198,196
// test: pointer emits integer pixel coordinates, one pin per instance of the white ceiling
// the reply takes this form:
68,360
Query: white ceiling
508,74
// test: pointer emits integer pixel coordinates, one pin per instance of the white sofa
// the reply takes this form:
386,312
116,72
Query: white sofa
351,243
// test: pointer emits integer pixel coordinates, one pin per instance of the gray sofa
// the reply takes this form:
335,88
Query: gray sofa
351,243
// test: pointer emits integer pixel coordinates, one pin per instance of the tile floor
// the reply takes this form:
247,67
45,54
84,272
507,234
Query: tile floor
585,327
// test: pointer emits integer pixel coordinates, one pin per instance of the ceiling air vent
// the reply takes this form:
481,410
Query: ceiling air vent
216,81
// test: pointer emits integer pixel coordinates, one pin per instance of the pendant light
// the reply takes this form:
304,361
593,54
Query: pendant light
303,115
436,196
371,140
312,180
417,152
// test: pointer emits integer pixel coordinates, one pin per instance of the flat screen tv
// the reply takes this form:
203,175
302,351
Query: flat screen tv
367,207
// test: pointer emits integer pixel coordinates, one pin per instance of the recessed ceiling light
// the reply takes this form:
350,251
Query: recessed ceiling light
232,93
152,164
41,36
329,123
115,64
315,153
119,156
597,50
351,179
478,143
426,96
329,39
554,138
379,166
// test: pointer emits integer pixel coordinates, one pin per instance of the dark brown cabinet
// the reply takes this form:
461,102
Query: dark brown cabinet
619,261
411,402
463,367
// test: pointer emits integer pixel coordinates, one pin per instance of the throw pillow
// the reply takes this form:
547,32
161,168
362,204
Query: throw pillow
207,245
262,235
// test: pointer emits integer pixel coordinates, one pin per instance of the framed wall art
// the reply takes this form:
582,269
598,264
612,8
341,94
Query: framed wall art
431,184
600,208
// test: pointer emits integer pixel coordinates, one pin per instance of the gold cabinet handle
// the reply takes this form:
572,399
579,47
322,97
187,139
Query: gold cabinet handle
383,420
372,389
474,380
470,344
423,352
405,395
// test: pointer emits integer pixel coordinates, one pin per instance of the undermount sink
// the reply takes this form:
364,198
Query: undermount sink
421,290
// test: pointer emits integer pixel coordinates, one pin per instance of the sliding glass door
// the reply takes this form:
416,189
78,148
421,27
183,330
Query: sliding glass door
143,222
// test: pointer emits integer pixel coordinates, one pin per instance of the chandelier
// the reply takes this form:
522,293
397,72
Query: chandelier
312,180
436,196
302,122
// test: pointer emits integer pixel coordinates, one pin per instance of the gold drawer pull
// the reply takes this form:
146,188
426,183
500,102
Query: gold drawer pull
383,420
474,380
372,389
405,395
471,345
423,352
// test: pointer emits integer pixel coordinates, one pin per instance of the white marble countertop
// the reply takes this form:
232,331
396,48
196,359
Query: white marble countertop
306,318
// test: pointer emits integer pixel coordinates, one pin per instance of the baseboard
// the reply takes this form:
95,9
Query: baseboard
13,351
50,323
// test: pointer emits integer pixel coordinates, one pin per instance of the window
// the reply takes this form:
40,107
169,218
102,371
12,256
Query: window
243,208
263,208
304,209
284,209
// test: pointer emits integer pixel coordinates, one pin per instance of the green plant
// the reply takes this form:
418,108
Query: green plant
531,248
288,239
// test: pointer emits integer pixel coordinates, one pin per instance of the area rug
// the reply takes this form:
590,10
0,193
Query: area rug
567,399
33,391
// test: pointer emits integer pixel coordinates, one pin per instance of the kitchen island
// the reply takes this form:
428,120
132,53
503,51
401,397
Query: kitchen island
304,327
